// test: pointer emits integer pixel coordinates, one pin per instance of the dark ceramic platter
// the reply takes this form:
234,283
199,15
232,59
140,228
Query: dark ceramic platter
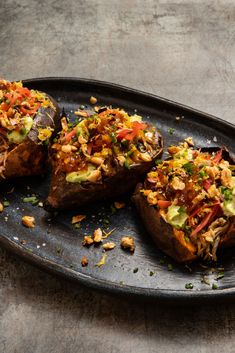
56,245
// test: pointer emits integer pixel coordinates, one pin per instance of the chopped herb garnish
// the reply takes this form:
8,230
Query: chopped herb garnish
127,164
171,131
158,161
227,193
220,275
203,174
113,209
6,203
113,137
55,140
135,270
82,107
151,273
215,286
189,286
188,167
59,250
170,267
77,225
186,239
32,199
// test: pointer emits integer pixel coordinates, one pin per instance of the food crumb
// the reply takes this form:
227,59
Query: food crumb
84,261
215,139
38,246
43,244
78,218
119,205
1,207
128,243
135,270
93,100
23,242
28,221
15,238
151,273
97,235
109,246
87,240
188,286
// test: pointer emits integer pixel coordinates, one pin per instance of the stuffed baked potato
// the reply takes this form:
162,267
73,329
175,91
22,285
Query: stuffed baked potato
102,156
187,202
27,121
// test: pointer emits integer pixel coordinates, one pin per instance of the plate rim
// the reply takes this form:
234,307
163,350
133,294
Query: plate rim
166,295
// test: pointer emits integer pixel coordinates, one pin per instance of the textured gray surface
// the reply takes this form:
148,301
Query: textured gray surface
183,50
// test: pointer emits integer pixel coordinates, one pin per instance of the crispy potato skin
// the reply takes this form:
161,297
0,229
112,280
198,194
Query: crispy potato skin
65,195
162,232
30,156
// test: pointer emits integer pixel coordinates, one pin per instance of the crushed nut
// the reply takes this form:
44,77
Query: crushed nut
78,218
97,235
28,221
84,261
87,240
189,141
81,113
93,100
109,246
128,243
1,207
119,205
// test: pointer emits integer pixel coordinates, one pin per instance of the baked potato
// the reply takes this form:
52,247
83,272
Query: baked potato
187,202
102,156
27,121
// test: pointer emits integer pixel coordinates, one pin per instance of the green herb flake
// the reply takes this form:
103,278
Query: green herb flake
77,225
188,167
32,199
113,137
158,161
106,221
215,286
135,270
127,164
203,174
6,203
59,251
188,286
151,273
171,131
170,267
113,209
23,131
220,275
82,107
55,140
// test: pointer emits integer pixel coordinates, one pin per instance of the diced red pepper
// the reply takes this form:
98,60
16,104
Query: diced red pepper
163,203
70,134
207,219
129,134
207,184
218,156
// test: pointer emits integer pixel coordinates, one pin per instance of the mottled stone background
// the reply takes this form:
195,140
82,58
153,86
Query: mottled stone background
182,50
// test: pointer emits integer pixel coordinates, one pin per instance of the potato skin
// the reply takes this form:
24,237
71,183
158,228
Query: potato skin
30,156
162,232
65,195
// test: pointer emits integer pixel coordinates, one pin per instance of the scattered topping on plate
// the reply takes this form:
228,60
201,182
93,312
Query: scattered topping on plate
84,261
78,218
28,221
109,246
128,243
97,235
102,261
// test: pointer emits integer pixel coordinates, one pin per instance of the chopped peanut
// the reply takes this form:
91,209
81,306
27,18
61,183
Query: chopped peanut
1,207
81,113
28,221
128,243
78,218
66,148
97,235
109,246
84,261
93,100
189,141
87,240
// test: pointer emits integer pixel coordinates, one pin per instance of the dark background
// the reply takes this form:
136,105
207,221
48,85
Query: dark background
182,50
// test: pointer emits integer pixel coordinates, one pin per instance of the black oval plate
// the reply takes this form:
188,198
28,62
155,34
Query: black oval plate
56,245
